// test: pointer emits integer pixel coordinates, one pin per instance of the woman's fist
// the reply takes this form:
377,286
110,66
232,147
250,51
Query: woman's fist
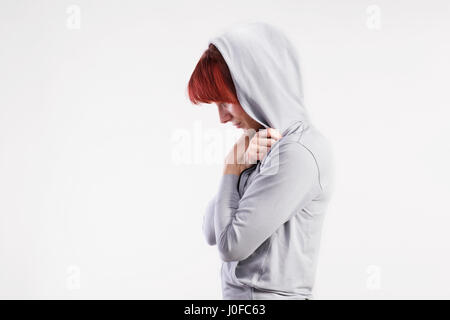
260,144
249,148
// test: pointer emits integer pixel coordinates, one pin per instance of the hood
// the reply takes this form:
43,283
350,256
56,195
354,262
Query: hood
265,70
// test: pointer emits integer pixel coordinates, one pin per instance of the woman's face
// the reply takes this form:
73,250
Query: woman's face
236,114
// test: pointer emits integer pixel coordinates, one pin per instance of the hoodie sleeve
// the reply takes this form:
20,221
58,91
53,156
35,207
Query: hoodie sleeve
279,190
208,223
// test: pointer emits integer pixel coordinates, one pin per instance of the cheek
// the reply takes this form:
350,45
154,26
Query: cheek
238,112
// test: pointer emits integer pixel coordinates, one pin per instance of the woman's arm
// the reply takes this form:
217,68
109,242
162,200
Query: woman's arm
284,185
208,223
255,144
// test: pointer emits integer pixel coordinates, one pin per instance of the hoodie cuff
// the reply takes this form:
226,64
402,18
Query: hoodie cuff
228,194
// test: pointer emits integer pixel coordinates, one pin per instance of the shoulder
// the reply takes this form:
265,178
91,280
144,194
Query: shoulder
290,157
290,147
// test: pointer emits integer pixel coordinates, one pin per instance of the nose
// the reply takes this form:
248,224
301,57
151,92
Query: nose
224,115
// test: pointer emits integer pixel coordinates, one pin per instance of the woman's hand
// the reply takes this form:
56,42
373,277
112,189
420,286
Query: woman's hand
249,148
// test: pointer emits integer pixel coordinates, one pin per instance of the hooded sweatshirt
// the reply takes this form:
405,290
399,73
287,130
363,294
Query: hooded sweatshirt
267,222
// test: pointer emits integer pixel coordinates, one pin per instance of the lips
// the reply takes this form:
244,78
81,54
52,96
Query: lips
237,125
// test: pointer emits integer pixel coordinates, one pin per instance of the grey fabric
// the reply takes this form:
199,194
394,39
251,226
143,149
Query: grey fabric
265,70
267,228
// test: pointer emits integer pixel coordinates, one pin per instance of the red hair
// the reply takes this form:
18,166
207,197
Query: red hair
211,79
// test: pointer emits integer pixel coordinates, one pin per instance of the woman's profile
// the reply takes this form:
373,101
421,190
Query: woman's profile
266,217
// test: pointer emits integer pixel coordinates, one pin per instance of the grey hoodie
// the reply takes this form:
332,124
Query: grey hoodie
267,221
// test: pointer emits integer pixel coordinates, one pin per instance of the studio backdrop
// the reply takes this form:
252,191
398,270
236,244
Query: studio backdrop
106,167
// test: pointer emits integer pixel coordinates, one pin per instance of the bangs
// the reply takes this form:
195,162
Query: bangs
211,80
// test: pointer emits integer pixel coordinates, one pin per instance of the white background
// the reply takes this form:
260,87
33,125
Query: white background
94,204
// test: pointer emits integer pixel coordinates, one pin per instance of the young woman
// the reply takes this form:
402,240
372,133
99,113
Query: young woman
266,218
